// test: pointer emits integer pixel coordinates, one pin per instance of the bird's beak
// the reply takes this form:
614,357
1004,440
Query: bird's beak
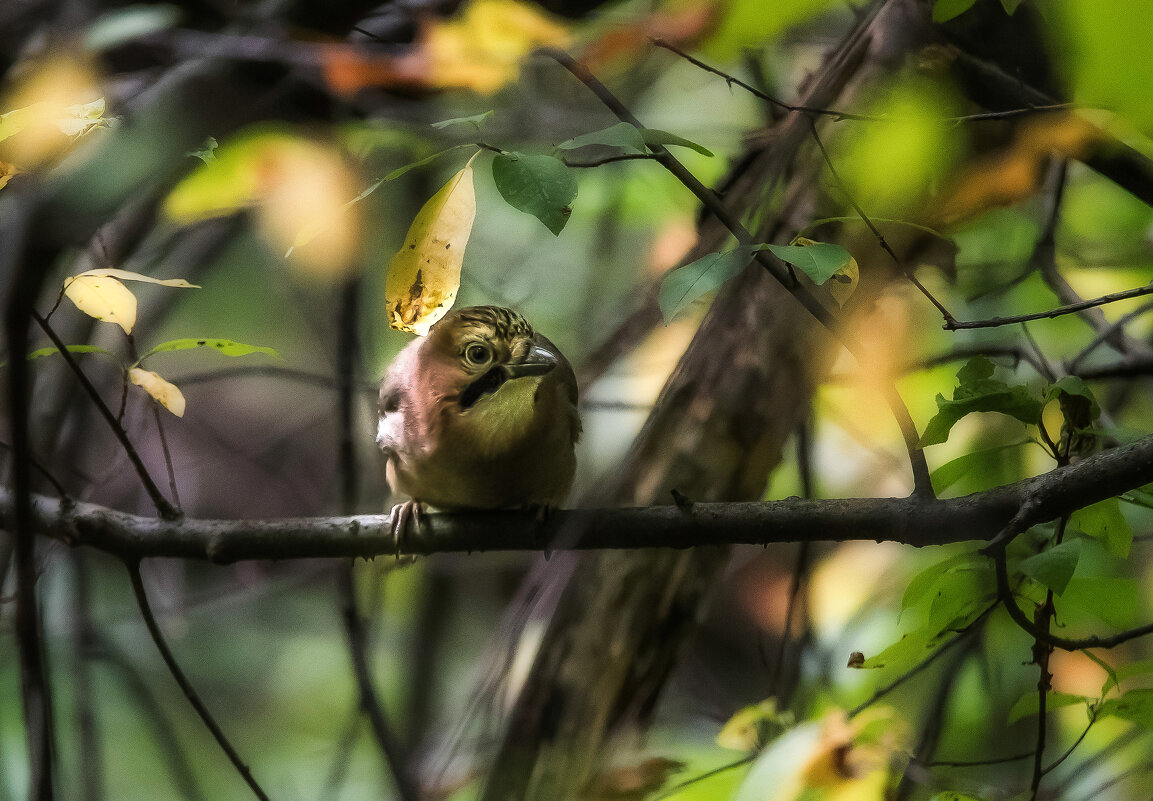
538,362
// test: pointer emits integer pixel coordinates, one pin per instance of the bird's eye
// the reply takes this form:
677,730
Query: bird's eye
477,354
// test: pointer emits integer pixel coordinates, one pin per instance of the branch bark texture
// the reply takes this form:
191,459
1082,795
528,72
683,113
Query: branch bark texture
912,521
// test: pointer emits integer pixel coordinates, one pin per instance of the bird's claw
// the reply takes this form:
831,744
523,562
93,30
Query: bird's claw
405,516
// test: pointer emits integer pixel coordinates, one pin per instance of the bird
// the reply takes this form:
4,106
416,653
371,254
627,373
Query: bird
479,414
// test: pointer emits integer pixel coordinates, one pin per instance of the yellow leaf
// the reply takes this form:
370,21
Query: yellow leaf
50,106
6,172
166,393
104,298
482,49
128,275
300,188
424,275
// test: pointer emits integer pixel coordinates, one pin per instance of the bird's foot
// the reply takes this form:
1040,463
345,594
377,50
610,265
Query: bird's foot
407,518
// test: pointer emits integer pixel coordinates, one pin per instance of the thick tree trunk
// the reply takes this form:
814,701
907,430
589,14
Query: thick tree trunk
716,432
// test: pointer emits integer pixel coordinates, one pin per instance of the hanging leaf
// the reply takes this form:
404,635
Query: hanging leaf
1117,601
1054,567
538,185
622,135
1104,522
103,298
127,275
685,284
165,393
226,347
476,120
42,352
424,275
818,260
653,136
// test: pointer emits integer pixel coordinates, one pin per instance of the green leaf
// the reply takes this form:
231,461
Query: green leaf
225,346
954,470
477,120
976,369
654,136
951,612
1029,704
1054,567
1072,386
685,284
1104,522
945,10
538,185
978,392
1010,6
1116,601
920,585
42,352
818,261
1123,672
622,135
950,795
1135,706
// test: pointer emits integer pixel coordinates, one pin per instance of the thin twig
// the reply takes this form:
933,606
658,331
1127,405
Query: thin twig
406,786
1106,332
846,115
185,685
1076,743
1072,308
163,506
167,457
922,485
962,635
978,763
875,231
609,160
708,774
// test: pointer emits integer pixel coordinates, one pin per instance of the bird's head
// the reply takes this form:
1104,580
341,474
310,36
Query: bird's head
486,347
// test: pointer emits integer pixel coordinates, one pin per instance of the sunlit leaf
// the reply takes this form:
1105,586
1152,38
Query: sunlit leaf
1104,522
127,275
164,392
42,352
622,135
482,47
226,347
1030,704
538,185
746,729
1135,706
476,120
424,275
653,136
104,298
945,10
300,188
48,106
818,260
685,284
1117,601
1054,566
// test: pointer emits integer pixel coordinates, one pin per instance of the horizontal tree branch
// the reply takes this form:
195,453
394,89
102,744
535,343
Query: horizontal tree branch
914,521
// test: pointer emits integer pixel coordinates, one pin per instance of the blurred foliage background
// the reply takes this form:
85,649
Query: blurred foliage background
997,213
